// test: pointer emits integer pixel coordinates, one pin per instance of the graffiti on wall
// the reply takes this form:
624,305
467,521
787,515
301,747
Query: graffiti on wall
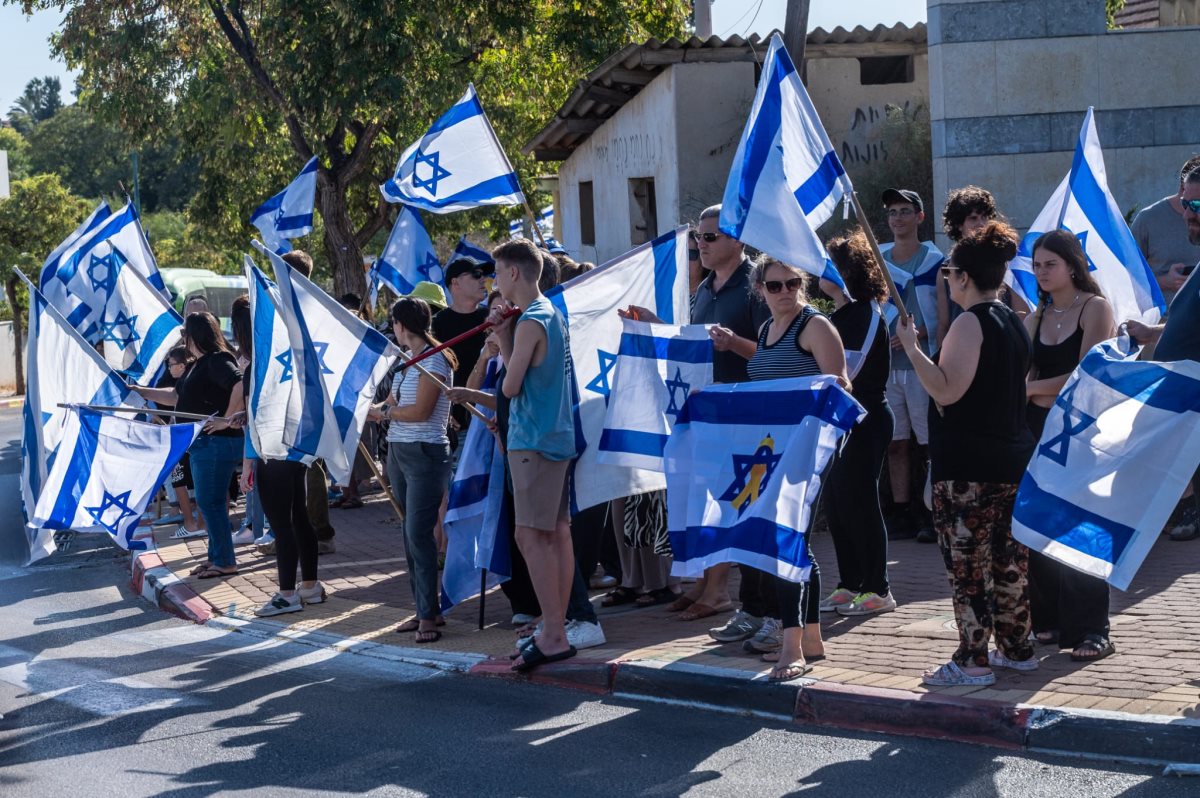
863,142
634,149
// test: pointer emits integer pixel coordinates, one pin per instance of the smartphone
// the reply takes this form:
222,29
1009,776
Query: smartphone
1186,270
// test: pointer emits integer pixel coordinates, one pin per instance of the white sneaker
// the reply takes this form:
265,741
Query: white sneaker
265,538
524,641
183,532
243,537
522,618
998,660
842,597
312,595
868,604
280,605
768,638
582,634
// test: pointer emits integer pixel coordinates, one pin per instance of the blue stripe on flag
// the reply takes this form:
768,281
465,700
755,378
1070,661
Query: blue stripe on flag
771,408
457,113
1079,529
632,441
498,186
678,349
820,184
167,323
78,470
665,271
288,223
759,144
370,350
465,492
1147,383
755,535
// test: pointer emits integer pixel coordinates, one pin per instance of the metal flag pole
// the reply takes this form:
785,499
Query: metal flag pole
482,595
148,410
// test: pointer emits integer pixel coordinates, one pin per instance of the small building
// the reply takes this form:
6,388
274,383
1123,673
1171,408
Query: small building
647,137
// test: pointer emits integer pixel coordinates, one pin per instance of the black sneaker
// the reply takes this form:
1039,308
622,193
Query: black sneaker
900,527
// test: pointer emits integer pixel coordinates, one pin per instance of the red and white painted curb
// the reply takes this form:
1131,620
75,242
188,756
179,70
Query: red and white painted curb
161,587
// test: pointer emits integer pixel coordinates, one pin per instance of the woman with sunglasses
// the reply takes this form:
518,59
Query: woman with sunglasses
979,445
1069,608
797,341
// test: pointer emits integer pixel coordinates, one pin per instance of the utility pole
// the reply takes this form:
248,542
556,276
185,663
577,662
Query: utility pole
795,33
702,11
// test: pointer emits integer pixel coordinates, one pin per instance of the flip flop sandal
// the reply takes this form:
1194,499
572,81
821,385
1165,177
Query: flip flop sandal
680,604
1046,638
786,673
533,657
411,625
1100,647
424,637
655,597
617,597
214,573
199,569
699,611
773,656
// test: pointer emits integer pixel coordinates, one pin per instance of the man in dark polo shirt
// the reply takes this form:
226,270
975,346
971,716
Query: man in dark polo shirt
727,298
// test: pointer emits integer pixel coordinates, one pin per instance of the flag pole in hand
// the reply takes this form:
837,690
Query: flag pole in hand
447,344
887,276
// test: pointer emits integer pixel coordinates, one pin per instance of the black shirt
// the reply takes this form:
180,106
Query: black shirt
736,306
206,388
448,324
852,321
983,437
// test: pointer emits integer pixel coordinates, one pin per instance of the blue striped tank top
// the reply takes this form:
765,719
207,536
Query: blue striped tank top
784,358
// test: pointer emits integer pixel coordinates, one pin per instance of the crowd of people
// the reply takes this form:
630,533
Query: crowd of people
956,393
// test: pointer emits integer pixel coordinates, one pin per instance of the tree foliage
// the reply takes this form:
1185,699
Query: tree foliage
254,90
41,100
17,148
38,214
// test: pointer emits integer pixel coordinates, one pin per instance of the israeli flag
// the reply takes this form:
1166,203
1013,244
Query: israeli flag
658,366
516,228
138,326
468,251
654,276
546,220
924,281
61,368
1083,205
476,525
288,214
107,470
744,470
80,280
276,402
1120,445
94,219
458,164
786,179
409,256
334,355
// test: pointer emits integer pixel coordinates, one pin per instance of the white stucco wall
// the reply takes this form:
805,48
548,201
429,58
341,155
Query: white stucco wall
8,371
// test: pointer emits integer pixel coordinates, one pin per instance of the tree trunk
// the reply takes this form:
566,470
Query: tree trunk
10,290
345,256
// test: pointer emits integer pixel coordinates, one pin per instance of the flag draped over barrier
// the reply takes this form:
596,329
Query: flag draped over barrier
107,470
138,327
336,355
1118,449
79,280
786,178
658,365
654,276
458,164
477,528
1083,205
744,468
288,214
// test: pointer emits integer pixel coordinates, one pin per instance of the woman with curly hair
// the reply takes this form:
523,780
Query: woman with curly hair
979,446
851,491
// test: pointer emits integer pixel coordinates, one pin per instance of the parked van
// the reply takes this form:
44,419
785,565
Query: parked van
218,290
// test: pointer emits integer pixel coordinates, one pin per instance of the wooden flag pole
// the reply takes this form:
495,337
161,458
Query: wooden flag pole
887,276
443,387
533,221
387,488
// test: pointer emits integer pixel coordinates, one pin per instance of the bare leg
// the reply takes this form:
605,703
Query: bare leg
898,467
549,571
185,507
715,591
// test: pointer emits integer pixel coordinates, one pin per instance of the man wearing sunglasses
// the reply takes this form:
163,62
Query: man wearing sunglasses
1164,241
467,283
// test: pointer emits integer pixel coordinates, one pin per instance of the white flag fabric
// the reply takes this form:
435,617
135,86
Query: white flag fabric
1083,205
458,164
658,365
275,404
79,282
1119,447
744,468
924,280
409,256
137,326
654,276
107,470
786,178
334,354
94,220
288,214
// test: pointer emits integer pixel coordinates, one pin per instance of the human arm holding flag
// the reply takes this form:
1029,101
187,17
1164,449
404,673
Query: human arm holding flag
947,380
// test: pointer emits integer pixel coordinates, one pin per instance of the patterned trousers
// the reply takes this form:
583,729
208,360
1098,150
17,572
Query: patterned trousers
988,570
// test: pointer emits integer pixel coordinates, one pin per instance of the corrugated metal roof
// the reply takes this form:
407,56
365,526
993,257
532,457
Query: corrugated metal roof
617,80
1139,14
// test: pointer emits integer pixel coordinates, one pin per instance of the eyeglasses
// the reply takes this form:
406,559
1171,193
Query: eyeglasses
901,213
173,365
1191,205
792,284
706,237
947,269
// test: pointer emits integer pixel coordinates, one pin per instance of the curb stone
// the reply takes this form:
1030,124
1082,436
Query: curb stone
161,587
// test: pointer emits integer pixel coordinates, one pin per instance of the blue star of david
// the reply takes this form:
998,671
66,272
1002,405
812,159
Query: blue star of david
285,359
1074,422
1083,243
109,330
600,383
674,384
433,161
120,504
321,347
102,272
426,269
742,466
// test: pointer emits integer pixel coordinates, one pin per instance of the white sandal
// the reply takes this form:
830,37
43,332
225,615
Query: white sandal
951,675
183,533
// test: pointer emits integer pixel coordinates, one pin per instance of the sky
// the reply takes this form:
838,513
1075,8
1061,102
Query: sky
25,49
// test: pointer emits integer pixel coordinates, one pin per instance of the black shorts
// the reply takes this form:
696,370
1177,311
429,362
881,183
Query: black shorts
181,474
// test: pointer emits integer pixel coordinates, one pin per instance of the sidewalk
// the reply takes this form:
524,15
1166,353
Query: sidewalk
871,663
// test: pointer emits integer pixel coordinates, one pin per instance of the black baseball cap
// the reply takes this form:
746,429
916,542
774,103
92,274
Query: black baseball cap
464,265
894,195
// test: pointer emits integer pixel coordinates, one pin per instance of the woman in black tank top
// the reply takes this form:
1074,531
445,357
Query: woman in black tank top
1068,607
979,446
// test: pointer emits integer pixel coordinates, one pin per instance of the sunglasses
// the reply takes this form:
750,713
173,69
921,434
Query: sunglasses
707,237
1191,205
792,284
947,269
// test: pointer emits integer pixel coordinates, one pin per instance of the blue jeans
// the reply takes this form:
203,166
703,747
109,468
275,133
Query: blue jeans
419,473
214,460
256,519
